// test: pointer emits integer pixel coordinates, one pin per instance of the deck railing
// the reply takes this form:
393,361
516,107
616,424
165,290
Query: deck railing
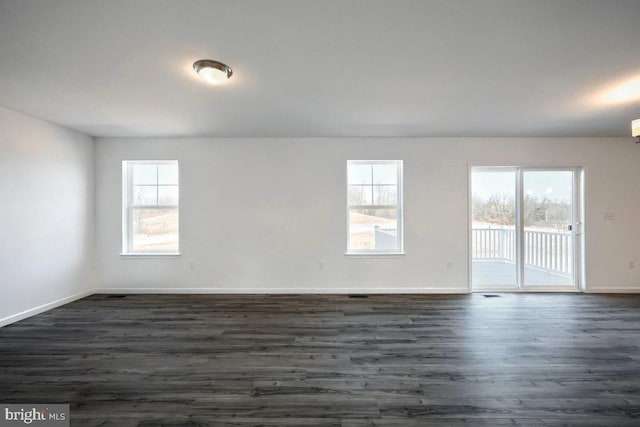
550,251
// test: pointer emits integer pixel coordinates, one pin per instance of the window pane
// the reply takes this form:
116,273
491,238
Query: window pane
373,229
360,195
493,234
144,195
359,174
385,195
145,174
168,174
168,195
385,174
155,230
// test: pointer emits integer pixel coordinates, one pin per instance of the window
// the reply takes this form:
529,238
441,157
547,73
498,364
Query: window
374,201
150,207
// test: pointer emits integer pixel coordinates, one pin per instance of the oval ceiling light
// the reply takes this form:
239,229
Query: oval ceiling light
213,72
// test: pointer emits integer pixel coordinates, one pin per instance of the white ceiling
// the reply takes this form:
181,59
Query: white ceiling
326,67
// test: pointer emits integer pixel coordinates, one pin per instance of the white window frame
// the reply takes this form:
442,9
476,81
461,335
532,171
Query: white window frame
399,206
128,207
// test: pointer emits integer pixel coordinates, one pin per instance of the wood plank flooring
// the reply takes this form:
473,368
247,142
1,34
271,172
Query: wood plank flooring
319,360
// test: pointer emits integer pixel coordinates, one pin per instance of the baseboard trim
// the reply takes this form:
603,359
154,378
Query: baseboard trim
613,290
44,307
265,290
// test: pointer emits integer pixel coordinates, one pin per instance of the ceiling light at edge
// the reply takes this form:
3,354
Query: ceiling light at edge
635,129
213,72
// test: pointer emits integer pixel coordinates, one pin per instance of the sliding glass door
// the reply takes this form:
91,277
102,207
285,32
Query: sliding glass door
524,225
548,222
493,231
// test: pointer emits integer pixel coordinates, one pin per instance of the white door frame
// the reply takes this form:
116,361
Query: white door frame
577,231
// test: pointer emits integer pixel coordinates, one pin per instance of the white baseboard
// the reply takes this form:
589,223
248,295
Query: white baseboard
44,307
267,290
613,290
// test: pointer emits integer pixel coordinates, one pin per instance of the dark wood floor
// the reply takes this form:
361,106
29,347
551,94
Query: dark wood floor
196,360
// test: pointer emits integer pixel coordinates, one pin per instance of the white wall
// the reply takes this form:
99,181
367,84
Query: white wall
259,215
47,232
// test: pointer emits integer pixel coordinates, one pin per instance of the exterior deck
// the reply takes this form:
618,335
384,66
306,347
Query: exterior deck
503,273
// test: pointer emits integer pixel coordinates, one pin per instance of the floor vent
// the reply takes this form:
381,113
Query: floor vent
492,296
358,296
115,296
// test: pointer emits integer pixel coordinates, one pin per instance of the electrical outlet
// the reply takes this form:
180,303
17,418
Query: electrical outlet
449,265
321,266
632,265
192,265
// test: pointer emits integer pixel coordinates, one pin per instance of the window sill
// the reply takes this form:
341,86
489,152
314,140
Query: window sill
375,255
150,255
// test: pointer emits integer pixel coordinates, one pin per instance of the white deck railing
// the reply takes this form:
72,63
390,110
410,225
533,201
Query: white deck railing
550,251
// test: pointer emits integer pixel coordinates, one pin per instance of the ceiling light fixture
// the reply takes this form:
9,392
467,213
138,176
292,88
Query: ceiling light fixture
213,72
635,129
